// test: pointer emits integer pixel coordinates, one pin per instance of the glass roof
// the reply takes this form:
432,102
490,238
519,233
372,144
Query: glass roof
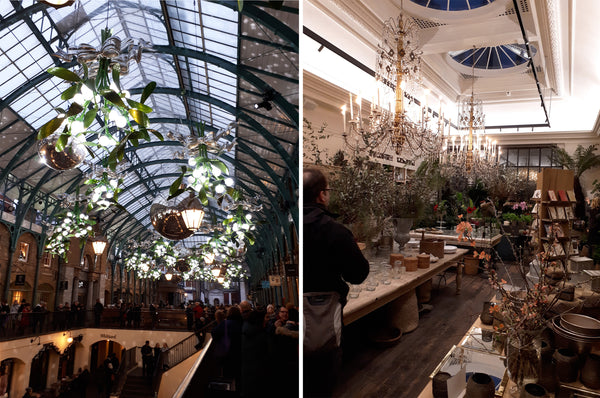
453,5
498,57
210,63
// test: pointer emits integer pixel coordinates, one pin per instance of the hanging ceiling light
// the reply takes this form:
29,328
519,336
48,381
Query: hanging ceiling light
397,121
192,212
470,151
98,244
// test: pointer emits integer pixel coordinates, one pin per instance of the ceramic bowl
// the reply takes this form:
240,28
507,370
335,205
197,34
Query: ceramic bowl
580,324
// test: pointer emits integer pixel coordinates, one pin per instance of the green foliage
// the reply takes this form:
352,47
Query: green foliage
96,97
582,160
313,153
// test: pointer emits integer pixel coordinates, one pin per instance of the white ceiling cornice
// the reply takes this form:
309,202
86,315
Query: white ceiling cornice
549,26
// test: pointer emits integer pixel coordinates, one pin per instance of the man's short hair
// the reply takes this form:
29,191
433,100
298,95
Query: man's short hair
314,182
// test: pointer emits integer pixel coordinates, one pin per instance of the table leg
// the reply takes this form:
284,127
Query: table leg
459,271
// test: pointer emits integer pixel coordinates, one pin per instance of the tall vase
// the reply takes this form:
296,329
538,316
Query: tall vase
402,231
523,357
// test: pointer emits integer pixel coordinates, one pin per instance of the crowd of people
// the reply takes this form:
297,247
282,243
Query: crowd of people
247,342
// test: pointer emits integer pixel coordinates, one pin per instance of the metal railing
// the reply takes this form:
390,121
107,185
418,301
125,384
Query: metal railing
20,325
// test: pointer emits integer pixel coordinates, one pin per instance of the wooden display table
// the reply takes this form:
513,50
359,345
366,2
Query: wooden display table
451,238
369,301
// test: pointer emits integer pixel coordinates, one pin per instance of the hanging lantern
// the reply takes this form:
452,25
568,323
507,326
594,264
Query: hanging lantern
216,271
192,212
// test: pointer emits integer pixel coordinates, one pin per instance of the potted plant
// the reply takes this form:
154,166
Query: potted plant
359,193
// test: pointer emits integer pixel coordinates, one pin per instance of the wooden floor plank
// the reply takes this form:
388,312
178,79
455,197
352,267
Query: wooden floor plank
403,370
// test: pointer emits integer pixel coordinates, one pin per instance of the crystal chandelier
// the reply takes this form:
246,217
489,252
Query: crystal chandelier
397,121
470,150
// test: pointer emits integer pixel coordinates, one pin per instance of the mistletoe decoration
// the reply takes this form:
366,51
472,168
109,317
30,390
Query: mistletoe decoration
94,96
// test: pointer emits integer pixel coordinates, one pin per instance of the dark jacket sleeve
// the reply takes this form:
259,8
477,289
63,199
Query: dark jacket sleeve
355,266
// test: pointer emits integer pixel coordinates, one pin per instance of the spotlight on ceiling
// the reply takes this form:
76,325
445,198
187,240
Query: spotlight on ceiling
267,97
265,104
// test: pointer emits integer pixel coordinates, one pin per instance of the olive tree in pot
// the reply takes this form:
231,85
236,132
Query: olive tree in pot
359,192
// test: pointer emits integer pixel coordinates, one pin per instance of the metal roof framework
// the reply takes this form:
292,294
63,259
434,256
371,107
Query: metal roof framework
211,64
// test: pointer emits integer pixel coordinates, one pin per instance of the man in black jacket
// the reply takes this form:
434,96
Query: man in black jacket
331,258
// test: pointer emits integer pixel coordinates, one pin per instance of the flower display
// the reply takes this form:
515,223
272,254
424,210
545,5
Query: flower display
522,311
103,190
71,224
142,264
163,251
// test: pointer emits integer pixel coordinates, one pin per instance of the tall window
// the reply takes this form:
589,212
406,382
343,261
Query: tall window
47,259
529,160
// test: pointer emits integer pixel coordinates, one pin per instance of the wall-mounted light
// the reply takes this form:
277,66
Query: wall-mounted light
99,245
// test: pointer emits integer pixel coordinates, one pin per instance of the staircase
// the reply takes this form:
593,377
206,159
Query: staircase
137,386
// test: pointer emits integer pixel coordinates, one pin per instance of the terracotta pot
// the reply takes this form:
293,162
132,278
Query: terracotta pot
567,365
480,385
590,373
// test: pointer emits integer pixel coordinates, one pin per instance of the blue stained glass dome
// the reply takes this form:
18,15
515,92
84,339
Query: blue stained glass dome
498,57
453,5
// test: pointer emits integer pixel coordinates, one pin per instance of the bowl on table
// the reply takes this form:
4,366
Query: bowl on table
580,324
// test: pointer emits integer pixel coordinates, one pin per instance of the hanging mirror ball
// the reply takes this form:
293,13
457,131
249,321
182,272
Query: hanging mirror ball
71,156
166,218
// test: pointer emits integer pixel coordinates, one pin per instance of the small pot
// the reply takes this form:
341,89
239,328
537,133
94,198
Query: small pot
439,385
567,365
532,390
486,316
480,385
590,372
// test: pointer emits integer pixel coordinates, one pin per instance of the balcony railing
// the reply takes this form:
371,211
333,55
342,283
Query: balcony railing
35,323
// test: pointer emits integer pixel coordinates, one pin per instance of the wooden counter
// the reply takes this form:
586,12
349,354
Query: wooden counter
452,239
369,301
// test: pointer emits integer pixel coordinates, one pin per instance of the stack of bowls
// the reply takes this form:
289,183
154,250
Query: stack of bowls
578,332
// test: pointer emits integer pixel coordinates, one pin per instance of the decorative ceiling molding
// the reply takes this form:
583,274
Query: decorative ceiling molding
549,25
354,17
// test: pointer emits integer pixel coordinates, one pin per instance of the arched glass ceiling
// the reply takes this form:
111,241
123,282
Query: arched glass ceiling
211,64
498,57
453,5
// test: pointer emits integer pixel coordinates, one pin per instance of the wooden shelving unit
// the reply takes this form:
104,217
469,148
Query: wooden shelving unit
552,229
